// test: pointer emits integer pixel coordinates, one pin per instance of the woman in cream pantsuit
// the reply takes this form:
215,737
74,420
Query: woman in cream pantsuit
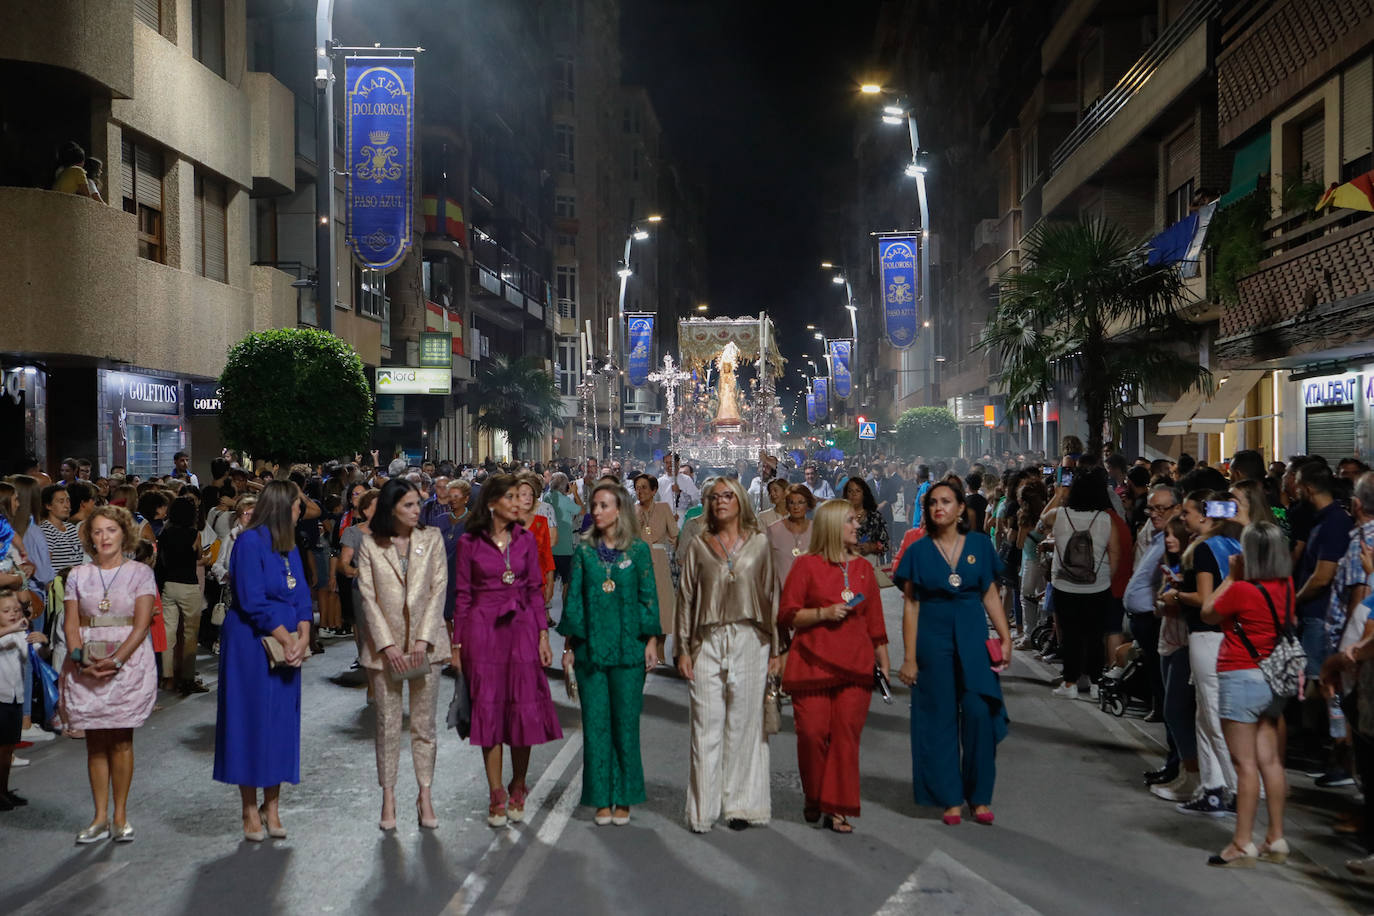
658,528
403,581
726,640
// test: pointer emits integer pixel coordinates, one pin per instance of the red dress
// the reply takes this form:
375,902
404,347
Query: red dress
539,527
829,674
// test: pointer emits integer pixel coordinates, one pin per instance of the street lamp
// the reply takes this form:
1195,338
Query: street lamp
837,279
703,307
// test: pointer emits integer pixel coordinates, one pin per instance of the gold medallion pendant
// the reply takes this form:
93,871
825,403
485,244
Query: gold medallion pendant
608,586
508,577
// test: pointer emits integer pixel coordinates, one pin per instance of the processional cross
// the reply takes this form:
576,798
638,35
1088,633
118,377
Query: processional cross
668,378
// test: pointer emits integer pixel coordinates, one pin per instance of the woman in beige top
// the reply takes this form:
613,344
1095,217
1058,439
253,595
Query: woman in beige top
777,495
403,580
658,528
791,537
726,640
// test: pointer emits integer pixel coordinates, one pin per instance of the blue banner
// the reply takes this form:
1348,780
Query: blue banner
821,386
840,351
897,265
380,124
640,344
811,407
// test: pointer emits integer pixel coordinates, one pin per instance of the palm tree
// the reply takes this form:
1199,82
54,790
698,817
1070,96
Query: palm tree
516,397
1088,310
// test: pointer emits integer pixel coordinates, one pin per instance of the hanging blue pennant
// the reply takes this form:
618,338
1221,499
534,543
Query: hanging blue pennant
821,388
811,407
380,126
840,351
640,344
897,265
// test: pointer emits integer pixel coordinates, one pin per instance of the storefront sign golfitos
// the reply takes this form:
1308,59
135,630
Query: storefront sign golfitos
640,344
136,393
897,266
840,351
380,125
203,399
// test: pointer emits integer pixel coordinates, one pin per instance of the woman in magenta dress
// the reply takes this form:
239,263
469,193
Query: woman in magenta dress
501,642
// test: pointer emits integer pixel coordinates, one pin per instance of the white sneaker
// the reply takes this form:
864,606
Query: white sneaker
1180,790
1068,691
19,761
34,733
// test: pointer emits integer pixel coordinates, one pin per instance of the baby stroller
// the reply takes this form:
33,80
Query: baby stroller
1127,687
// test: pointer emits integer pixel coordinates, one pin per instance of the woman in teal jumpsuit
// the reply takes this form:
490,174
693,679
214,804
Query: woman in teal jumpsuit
610,622
949,578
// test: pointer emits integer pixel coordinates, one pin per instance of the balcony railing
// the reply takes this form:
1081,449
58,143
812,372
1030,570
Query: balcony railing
1107,107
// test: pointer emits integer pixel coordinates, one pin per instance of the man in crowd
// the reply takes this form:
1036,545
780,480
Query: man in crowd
1162,504
181,469
66,471
676,487
818,485
758,487
584,485
64,541
886,488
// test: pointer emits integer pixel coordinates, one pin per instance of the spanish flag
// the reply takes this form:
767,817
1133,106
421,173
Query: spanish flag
444,215
1357,194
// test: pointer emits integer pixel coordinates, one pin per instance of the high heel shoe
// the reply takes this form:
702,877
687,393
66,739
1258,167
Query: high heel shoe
951,820
1246,859
496,810
427,823
254,836
1275,852
515,808
276,833
983,817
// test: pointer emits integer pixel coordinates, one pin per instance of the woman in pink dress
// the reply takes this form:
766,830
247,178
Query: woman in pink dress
501,642
109,680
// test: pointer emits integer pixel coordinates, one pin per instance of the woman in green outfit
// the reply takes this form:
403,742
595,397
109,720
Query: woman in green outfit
610,623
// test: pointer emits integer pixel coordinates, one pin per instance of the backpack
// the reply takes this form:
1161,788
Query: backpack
1076,560
1284,667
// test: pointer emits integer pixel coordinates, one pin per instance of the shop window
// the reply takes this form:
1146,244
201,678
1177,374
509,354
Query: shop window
141,193
207,34
211,253
151,447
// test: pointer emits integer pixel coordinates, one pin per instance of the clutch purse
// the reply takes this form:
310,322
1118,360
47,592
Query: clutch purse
772,706
995,654
409,674
882,685
276,654
95,650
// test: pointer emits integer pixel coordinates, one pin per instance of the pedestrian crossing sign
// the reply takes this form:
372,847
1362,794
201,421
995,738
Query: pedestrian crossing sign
868,429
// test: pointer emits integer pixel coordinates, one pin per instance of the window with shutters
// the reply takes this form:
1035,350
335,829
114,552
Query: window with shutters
1090,86
207,34
1357,119
1030,158
1180,174
1312,149
149,12
211,254
565,148
141,194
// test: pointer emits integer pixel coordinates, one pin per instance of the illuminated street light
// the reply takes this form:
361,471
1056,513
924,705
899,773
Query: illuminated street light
703,307
656,218
837,279
894,110
892,119
826,265
623,271
641,234
870,89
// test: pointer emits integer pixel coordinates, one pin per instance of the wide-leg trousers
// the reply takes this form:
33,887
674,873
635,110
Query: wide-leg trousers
729,761
953,741
1213,758
612,699
424,692
829,723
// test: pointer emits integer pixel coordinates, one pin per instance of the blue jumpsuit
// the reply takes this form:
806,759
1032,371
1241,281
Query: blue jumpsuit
957,713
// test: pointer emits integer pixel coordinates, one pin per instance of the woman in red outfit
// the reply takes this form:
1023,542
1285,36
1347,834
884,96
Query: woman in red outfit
831,600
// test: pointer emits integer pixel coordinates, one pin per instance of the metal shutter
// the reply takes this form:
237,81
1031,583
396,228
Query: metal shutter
213,222
1331,432
1357,111
149,183
1312,146
126,170
1181,160
149,12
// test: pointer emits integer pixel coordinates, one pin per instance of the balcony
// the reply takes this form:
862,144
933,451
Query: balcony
1006,245
95,40
499,275
272,109
1174,63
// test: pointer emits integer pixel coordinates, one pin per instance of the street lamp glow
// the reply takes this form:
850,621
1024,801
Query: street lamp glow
656,218
641,234
939,359
893,110
826,265
703,307
838,279
811,327
818,335
892,119
852,307
913,169
925,324
624,273
870,89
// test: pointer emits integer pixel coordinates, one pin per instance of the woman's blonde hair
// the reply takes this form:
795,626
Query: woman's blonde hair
121,517
626,527
748,521
827,530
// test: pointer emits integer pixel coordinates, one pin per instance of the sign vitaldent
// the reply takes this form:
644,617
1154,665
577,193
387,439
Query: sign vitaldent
413,380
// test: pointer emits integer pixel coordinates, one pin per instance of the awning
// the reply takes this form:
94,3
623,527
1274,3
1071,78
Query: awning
1214,414
1175,422
1251,162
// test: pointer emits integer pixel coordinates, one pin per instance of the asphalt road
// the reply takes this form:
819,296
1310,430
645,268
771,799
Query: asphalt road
1075,833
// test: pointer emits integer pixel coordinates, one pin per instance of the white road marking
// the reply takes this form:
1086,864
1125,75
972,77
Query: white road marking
512,891
942,885
506,839
87,878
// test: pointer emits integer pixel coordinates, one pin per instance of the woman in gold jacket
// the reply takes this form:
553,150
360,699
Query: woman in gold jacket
403,579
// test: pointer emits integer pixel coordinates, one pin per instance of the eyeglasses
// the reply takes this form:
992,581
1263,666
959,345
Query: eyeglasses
1156,510
725,497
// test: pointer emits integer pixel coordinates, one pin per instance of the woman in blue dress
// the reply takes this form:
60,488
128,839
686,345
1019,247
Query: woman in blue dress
258,727
949,579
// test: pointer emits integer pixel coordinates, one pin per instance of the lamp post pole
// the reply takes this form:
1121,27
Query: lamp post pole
324,164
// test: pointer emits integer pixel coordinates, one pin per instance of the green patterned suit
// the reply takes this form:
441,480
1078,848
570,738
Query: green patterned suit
607,631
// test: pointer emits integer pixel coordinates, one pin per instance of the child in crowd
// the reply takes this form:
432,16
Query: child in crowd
13,644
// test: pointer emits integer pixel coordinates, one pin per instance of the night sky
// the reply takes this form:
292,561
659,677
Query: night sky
758,101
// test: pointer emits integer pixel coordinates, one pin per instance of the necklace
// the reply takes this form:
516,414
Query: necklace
290,579
729,554
846,593
508,576
796,547
647,510
105,587
607,556
955,580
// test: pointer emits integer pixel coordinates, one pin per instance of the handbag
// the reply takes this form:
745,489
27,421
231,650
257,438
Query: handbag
217,615
45,687
995,654
276,653
460,708
408,674
1284,667
97,650
772,706
882,684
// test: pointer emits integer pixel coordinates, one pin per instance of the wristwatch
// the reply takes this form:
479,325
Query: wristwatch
76,654
117,663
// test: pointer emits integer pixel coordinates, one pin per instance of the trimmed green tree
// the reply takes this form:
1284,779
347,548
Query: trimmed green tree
295,394
1088,311
516,397
929,431
846,439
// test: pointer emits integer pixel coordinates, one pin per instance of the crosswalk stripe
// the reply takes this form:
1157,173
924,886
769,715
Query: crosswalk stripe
942,885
